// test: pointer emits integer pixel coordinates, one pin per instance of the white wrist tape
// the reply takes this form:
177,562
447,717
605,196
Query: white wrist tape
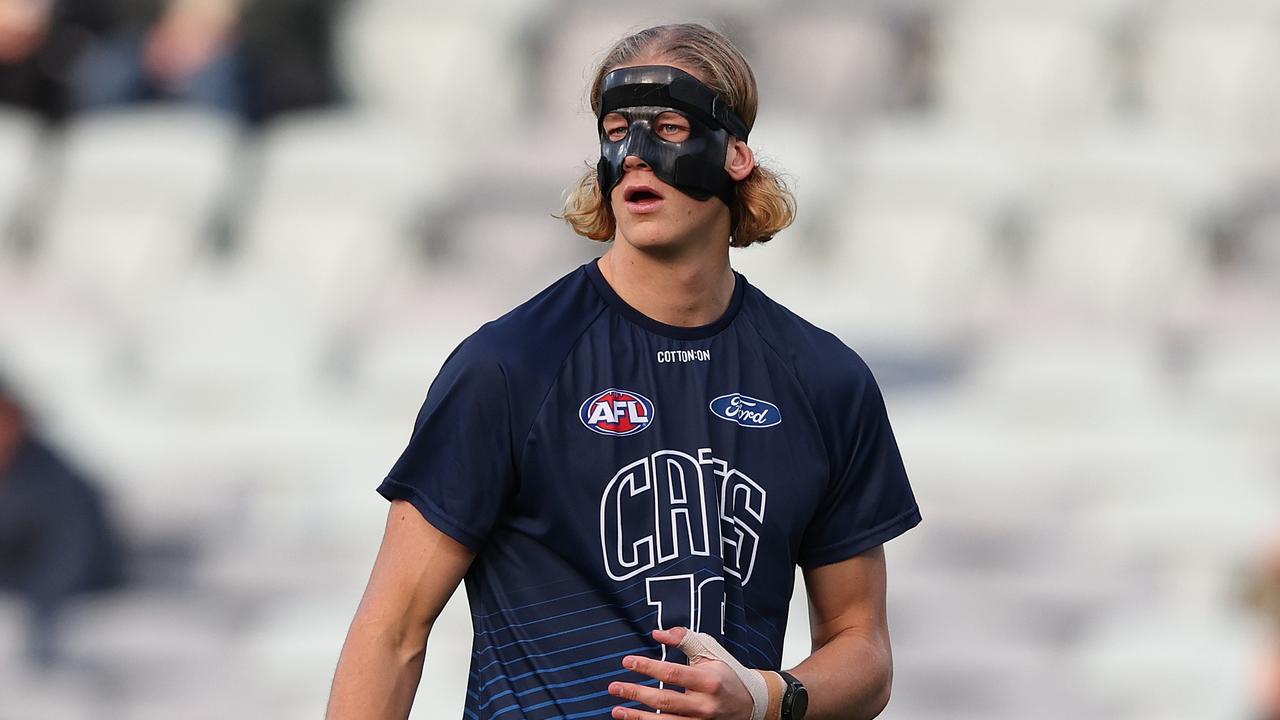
703,646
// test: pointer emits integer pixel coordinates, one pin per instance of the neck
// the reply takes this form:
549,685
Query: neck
688,289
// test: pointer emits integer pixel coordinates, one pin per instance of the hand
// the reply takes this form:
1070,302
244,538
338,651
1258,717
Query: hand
712,690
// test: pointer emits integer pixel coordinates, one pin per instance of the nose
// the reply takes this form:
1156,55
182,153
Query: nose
632,162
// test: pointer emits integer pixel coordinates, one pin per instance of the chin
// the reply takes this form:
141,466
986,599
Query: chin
645,231
647,238
674,228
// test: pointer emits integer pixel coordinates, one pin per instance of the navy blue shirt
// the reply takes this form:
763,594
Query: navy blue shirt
615,474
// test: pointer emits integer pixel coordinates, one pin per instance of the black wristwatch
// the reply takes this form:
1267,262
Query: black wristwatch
795,701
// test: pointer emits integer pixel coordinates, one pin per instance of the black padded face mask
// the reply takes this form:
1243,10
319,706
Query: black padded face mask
694,166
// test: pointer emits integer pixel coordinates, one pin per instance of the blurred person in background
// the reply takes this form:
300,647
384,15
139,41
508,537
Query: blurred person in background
41,42
252,58
1265,597
56,541
628,468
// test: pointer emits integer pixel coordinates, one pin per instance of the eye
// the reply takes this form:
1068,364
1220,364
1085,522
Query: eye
614,126
673,132
672,127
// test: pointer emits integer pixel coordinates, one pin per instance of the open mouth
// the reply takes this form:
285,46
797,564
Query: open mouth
641,194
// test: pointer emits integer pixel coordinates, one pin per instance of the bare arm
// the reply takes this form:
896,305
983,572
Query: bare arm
849,674
417,569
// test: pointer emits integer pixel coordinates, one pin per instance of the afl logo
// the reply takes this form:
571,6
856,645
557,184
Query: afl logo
616,412
746,411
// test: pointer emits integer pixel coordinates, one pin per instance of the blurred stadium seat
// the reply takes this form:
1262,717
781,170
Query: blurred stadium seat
1119,229
1011,67
789,263
1113,260
457,74
838,69
1235,377
909,241
913,277
136,198
1209,70
1068,373
797,146
20,145
350,159
1165,661
568,53
933,682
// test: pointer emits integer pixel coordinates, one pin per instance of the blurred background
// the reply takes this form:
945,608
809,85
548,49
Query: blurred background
237,240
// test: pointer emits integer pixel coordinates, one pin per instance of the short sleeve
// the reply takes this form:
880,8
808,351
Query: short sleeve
869,499
458,468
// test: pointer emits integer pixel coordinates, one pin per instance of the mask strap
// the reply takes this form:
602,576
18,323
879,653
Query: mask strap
686,95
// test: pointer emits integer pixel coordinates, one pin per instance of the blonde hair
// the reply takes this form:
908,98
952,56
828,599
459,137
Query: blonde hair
763,205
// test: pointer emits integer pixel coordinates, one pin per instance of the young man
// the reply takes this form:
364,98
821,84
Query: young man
628,468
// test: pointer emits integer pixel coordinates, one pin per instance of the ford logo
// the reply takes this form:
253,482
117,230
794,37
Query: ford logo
746,411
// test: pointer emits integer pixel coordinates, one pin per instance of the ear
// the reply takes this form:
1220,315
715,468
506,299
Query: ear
739,161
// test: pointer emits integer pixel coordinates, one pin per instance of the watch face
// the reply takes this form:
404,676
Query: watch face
796,700
799,703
